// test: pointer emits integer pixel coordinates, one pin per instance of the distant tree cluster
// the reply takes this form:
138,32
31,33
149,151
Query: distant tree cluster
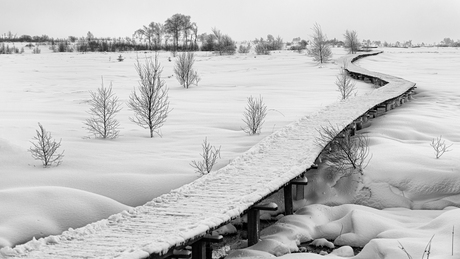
179,28
297,44
6,49
11,37
264,46
448,42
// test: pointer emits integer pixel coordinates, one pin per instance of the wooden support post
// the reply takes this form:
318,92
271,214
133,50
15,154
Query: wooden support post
409,96
352,129
381,109
254,221
388,106
288,207
365,117
299,184
372,113
359,124
201,249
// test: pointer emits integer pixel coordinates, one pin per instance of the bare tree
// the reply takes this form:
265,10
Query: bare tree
254,115
146,32
151,104
342,151
209,155
440,147
319,49
44,148
345,84
184,71
351,41
104,106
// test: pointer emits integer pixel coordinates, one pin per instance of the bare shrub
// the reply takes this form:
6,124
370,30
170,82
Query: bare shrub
151,104
184,71
104,106
244,49
320,48
36,50
209,155
45,148
439,146
345,153
345,84
261,49
254,115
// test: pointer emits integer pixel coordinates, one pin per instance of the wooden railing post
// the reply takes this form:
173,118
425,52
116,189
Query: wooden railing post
254,221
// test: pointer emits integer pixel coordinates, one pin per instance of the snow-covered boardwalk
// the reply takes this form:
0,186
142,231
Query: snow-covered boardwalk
184,214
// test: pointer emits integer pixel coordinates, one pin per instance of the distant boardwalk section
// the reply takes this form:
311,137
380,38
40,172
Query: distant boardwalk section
188,213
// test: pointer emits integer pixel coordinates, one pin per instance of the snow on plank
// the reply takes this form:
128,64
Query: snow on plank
189,212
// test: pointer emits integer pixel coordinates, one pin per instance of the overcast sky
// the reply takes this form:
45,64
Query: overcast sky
426,21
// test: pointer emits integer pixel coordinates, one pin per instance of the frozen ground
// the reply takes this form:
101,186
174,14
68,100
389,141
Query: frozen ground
129,171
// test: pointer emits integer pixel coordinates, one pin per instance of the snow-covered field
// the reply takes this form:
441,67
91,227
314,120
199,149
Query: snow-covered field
102,177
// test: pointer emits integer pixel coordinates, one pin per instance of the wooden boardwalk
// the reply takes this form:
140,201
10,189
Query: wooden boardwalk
188,213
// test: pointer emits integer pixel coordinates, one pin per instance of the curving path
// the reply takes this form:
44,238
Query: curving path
189,212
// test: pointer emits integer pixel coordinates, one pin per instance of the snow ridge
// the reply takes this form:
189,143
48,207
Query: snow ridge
209,202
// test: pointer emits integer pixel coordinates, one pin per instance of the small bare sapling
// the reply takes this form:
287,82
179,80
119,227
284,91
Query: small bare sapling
184,71
439,146
104,106
254,115
345,153
209,155
150,104
45,148
320,48
345,84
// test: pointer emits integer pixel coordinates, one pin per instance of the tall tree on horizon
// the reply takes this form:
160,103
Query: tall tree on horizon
146,32
174,26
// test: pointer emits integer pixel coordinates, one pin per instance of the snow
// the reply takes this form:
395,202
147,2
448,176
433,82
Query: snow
414,195
52,88
322,242
131,181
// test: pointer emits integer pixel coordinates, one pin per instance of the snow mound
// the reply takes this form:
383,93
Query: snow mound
378,231
27,215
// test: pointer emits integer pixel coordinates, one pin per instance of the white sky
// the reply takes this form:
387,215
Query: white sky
386,20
